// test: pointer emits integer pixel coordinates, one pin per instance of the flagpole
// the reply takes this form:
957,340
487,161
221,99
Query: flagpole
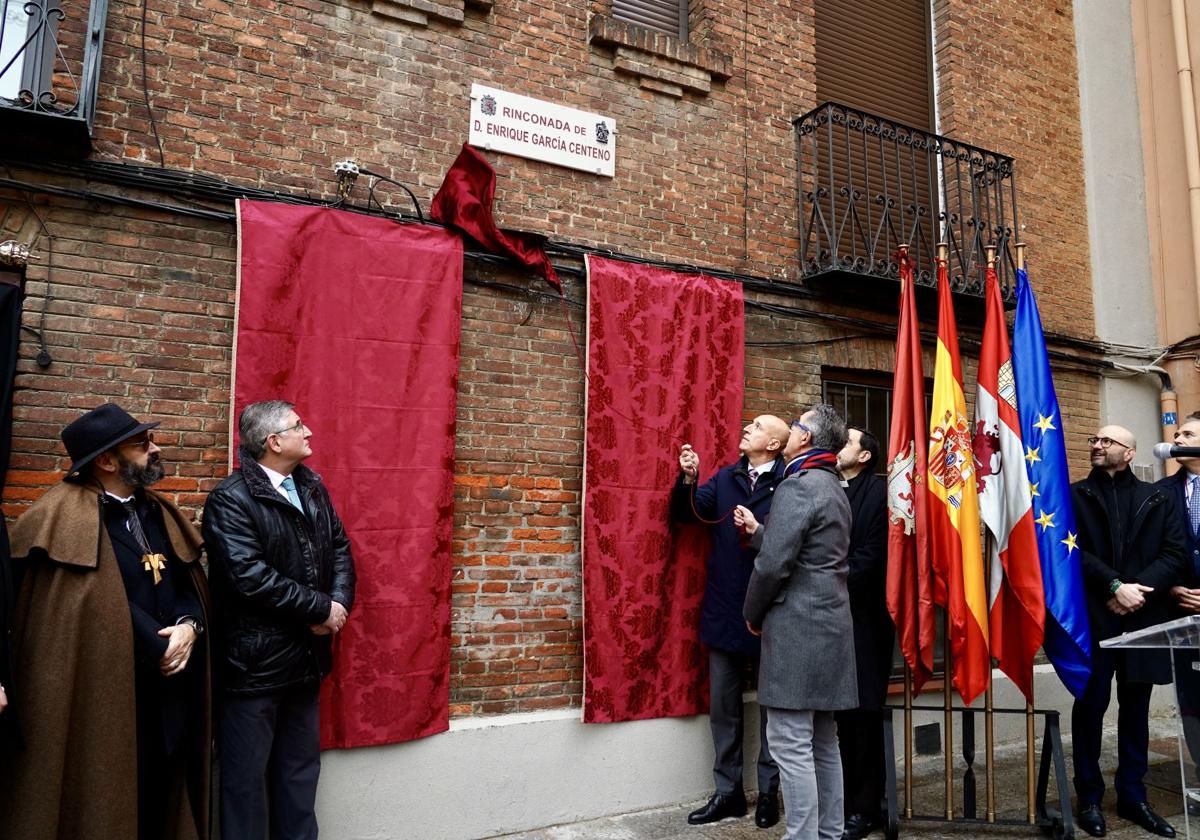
988,714
1030,778
988,720
908,742
943,252
948,714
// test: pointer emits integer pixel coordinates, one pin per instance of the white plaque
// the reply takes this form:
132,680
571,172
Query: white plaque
530,128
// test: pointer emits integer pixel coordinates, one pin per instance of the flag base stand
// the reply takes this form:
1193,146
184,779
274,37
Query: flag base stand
1057,822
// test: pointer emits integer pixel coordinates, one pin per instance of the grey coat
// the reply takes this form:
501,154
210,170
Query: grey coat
798,597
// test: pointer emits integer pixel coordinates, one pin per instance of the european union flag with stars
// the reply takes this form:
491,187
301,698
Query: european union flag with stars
1068,640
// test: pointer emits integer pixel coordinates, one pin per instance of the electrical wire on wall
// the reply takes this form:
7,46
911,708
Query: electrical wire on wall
162,161
198,188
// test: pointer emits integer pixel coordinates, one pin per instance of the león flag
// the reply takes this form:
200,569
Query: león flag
909,580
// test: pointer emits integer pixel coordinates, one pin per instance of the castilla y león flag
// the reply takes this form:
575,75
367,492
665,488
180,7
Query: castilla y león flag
957,561
909,581
1017,612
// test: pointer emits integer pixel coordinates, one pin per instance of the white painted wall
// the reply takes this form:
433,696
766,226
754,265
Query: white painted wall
502,774
496,775
1116,200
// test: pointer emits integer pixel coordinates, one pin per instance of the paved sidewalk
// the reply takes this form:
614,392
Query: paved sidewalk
928,797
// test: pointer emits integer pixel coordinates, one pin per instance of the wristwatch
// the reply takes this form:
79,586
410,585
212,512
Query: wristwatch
195,623
1114,585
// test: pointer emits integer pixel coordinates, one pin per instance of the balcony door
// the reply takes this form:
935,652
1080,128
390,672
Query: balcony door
876,56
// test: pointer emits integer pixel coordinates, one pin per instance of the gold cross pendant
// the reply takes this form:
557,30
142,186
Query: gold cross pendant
154,563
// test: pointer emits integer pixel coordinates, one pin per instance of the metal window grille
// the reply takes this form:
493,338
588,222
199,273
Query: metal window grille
869,406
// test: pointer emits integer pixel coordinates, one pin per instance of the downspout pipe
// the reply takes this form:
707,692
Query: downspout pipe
1191,147
1168,404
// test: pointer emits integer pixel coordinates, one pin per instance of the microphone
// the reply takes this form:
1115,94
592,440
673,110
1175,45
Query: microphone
1163,451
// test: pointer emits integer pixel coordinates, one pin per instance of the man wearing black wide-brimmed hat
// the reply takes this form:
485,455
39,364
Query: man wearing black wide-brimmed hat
111,680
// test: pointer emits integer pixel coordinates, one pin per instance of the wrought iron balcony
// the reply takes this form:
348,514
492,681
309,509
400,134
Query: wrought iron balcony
869,185
49,70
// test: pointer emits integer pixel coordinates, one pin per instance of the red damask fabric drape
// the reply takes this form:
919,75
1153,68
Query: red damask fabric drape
665,367
356,320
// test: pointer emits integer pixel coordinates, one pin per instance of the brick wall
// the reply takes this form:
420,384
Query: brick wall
1008,81
271,94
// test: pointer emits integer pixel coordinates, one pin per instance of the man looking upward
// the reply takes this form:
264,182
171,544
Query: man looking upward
732,649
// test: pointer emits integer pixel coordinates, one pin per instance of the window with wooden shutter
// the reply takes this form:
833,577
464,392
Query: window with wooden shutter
875,55
669,16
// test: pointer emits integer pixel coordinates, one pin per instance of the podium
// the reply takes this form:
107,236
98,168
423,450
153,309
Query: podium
1182,634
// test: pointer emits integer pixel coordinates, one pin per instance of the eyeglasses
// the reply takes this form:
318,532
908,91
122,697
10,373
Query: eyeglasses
796,424
142,443
1105,442
297,426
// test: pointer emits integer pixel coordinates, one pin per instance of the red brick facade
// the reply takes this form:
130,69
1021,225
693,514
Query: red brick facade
271,94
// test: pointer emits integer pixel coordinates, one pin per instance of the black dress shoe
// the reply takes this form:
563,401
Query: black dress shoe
1091,820
766,812
1142,814
719,807
858,826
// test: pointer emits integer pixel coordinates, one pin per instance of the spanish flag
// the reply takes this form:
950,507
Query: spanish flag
957,560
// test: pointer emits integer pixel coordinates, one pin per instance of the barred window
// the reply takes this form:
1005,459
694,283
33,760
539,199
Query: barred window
865,400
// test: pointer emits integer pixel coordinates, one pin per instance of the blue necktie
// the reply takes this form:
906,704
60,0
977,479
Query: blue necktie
289,487
1194,504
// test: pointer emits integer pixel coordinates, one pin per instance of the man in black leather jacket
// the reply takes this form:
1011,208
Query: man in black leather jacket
283,583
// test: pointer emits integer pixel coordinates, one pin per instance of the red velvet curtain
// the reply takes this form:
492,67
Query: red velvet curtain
665,367
356,320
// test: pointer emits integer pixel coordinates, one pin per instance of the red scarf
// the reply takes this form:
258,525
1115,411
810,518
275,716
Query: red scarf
812,459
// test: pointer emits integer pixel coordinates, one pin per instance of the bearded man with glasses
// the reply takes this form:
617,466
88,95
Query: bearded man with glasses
1131,551
283,584
111,682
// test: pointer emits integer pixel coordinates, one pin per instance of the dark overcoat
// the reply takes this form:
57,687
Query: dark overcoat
1147,547
74,670
731,559
1187,679
874,632
1174,487
6,604
798,597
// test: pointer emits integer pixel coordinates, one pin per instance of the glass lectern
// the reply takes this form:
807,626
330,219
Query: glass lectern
1178,635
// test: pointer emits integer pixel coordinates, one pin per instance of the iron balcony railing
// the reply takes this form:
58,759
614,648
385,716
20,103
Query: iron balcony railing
869,184
49,70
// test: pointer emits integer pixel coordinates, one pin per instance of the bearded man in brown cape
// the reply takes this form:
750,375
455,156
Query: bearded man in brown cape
110,686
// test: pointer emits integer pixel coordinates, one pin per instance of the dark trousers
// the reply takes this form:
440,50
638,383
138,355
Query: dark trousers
162,752
1187,694
159,776
270,761
1133,733
860,741
727,678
